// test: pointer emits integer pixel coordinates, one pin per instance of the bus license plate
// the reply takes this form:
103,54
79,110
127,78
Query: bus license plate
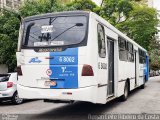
50,83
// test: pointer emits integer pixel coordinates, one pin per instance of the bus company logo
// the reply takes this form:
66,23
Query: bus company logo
49,72
35,60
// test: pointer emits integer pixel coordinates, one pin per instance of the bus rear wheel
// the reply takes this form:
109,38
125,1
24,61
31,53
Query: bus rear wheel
126,92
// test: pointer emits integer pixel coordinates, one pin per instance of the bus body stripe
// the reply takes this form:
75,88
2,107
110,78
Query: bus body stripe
64,68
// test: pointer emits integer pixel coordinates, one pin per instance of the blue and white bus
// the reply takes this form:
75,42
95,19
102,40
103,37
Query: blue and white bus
77,56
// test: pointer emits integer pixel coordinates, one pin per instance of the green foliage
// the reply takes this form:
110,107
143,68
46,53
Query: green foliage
155,59
141,25
9,26
82,5
137,21
115,10
35,7
154,54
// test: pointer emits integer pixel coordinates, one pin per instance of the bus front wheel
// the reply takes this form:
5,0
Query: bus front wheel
126,92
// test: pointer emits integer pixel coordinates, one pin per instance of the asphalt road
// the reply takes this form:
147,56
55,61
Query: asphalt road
140,101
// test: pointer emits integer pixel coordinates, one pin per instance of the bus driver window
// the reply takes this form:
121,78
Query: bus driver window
101,41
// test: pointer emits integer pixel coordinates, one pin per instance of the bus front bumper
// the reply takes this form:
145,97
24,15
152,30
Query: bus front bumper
81,94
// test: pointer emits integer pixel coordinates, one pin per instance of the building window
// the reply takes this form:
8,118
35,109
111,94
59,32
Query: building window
101,41
17,3
9,3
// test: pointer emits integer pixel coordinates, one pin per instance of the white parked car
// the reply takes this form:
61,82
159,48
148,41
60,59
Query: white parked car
8,88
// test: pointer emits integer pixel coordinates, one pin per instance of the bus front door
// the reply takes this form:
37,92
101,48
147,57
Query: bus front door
136,68
110,67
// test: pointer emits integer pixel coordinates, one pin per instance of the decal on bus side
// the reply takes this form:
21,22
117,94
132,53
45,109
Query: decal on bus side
102,65
35,60
64,68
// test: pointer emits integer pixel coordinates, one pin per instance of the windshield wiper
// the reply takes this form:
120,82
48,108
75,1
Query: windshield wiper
77,24
29,28
27,33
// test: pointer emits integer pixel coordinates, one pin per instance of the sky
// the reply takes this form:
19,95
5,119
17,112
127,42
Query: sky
156,4
98,2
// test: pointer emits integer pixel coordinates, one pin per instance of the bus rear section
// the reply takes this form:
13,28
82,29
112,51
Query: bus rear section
53,60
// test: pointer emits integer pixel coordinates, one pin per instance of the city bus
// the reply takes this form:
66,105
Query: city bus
77,56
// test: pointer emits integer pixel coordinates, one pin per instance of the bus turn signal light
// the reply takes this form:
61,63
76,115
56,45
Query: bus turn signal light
87,70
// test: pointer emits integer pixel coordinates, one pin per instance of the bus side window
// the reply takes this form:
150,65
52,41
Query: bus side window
122,49
142,56
130,52
101,41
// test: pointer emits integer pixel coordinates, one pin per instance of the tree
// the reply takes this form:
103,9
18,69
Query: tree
140,25
116,10
82,5
9,26
35,7
137,21
132,17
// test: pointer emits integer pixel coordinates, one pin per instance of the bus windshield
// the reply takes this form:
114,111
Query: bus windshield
55,31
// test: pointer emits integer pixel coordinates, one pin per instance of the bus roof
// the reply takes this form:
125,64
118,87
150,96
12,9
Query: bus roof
65,13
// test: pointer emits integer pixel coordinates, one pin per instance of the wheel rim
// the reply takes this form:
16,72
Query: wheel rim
17,99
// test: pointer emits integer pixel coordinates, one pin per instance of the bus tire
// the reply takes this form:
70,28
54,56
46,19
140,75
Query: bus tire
126,92
142,86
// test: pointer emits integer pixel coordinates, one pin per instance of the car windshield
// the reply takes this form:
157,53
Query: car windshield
55,31
4,77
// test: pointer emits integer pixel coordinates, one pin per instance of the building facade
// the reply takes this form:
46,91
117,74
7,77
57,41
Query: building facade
98,2
156,4
10,4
